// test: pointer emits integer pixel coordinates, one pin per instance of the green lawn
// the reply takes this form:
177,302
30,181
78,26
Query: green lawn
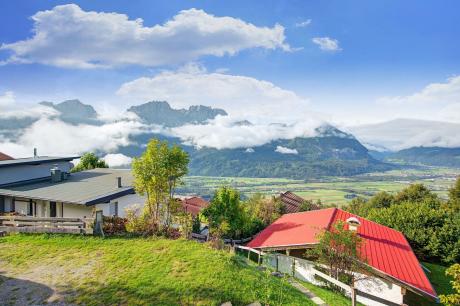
328,296
440,282
95,271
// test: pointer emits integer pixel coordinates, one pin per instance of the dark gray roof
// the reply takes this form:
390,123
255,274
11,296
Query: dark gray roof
35,160
86,187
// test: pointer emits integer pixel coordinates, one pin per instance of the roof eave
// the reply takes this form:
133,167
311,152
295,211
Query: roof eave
110,196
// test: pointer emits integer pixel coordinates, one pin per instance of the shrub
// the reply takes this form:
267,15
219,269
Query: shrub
114,225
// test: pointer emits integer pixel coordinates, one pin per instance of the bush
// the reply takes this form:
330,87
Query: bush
114,225
140,222
454,298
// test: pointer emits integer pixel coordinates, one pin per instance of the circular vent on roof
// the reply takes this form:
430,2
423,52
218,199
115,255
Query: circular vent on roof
353,223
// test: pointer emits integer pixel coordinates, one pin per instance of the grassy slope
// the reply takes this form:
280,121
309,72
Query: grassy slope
440,282
143,271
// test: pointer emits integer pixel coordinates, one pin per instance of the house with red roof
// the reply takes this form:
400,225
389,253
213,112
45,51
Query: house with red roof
193,204
392,264
3,156
292,202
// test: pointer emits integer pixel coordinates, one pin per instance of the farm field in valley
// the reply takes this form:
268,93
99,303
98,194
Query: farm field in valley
330,190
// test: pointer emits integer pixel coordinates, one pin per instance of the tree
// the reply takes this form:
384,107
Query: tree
454,196
89,161
416,193
381,199
225,214
454,298
157,172
359,206
339,249
176,167
432,232
264,209
306,205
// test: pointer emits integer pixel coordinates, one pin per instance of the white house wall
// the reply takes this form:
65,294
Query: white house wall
76,211
42,208
130,201
305,270
380,288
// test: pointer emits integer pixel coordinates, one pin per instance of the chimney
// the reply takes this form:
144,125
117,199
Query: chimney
56,175
353,224
35,153
119,181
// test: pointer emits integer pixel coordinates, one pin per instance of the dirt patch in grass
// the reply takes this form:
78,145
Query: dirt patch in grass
42,282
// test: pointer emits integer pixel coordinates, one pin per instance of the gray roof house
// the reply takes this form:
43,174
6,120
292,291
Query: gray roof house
44,187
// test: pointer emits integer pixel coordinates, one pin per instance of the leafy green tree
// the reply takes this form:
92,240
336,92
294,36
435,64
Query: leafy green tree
381,199
454,196
176,167
359,206
89,161
306,205
157,172
226,209
264,209
339,249
454,298
432,232
416,193
431,226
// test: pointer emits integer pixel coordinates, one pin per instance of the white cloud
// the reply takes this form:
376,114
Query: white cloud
67,36
54,137
436,101
303,24
117,160
440,93
406,133
284,150
451,112
6,100
221,133
240,96
327,44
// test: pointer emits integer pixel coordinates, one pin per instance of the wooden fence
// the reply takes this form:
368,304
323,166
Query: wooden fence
21,224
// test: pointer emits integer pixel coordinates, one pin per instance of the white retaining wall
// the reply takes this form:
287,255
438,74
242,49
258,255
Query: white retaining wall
305,270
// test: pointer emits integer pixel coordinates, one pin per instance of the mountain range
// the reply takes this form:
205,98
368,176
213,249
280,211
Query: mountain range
329,152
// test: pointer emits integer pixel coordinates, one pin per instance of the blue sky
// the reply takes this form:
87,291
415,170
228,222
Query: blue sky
386,56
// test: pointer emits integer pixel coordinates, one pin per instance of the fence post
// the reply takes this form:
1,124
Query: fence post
249,254
276,263
293,266
258,259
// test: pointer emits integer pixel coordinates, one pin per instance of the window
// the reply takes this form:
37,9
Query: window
113,209
30,208
2,204
53,209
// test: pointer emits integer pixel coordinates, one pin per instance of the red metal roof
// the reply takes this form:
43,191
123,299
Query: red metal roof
384,249
3,156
